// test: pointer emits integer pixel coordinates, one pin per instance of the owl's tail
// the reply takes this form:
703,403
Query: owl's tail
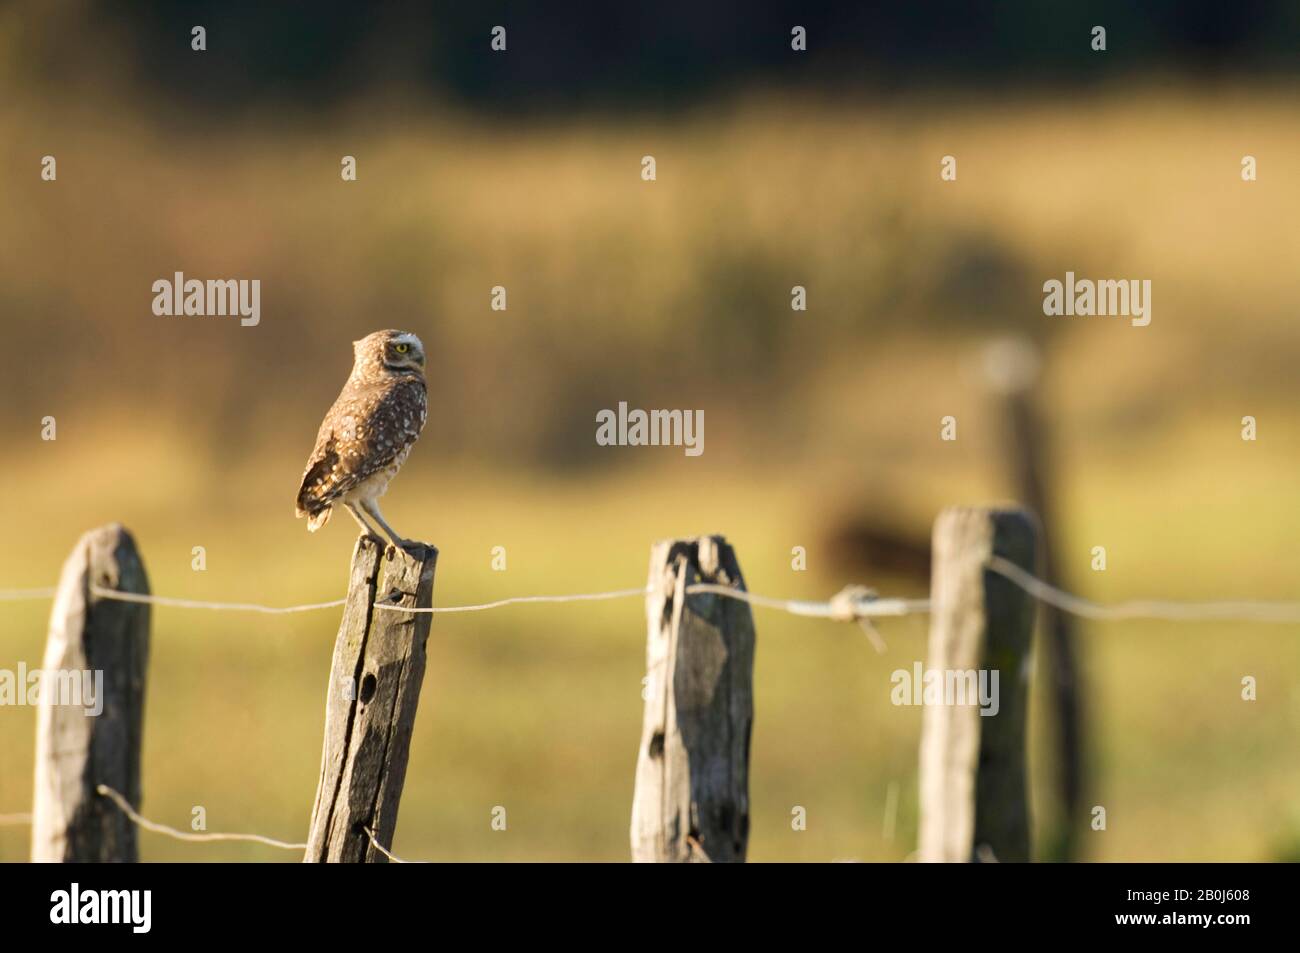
318,519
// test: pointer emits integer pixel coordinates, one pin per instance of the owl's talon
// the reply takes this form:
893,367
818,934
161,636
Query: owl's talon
410,547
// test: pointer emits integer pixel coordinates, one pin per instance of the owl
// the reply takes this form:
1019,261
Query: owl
367,434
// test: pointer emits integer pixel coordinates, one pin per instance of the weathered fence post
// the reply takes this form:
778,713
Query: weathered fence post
974,801
692,775
1012,369
374,688
91,704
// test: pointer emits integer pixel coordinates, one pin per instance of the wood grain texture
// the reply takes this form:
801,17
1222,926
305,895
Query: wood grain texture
374,688
691,802
974,799
76,750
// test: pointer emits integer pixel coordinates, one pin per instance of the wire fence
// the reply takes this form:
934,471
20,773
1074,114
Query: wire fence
125,807
853,603
385,851
1238,611
134,816
24,595
15,820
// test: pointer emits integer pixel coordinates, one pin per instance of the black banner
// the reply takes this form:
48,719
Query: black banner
214,902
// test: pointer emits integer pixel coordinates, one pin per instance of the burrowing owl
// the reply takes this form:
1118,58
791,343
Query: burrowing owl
367,434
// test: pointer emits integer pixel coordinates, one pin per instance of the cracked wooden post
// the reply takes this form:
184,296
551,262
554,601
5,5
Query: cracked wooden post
974,800
692,776
91,704
374,689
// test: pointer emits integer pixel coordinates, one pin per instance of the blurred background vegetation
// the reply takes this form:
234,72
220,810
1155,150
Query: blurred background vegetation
774,169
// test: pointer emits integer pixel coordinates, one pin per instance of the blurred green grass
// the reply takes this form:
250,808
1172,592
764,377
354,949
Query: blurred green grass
537,708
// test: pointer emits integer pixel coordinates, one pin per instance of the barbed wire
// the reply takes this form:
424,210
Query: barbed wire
22,595
1238,611
515,600
104,593
852,603
125,807
385,851
143,822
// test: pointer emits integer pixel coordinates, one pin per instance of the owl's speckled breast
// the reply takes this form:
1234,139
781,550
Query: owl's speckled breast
375,485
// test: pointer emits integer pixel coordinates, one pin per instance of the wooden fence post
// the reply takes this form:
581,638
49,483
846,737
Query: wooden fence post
91,704
374,689
1012,368
974,801
692,775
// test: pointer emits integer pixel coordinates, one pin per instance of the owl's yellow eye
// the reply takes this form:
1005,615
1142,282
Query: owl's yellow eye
401,348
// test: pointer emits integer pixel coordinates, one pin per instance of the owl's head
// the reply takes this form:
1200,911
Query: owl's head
390,352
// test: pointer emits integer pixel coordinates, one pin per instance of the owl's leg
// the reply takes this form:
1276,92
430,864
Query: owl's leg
366,529
409,546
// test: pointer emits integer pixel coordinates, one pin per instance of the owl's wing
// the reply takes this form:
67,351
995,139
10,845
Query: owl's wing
364,432
313,493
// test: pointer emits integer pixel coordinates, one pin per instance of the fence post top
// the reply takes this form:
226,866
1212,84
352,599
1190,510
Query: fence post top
1005,517
719,539
107,538
1012,364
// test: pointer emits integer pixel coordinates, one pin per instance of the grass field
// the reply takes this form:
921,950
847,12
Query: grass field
671,294
537,708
